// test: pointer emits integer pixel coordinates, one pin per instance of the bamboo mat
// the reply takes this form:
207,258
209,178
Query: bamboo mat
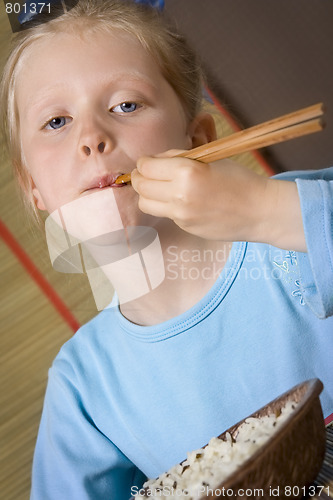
33,324
32,330
324,480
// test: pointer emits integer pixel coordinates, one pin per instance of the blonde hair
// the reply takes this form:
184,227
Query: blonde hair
177,61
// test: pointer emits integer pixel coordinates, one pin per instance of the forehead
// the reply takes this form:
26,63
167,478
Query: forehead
68,58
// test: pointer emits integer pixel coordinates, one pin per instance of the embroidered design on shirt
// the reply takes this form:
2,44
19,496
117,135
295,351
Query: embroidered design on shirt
288,266
293,258
290,271
298,293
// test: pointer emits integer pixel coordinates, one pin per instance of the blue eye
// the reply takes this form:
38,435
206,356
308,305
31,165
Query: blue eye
57,122
125,107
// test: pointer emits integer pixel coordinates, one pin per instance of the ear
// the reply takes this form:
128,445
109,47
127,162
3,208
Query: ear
38,199
202,129
32,192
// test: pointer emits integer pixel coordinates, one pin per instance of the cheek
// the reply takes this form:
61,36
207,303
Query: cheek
32,156
172,132
49,180
46,166
160,136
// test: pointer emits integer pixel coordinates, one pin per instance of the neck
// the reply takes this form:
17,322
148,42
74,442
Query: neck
172,271
191,264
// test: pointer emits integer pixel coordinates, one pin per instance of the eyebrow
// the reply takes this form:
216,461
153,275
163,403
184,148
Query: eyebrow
107,83
39,97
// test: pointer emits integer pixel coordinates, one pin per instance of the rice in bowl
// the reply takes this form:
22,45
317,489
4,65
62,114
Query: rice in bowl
207,468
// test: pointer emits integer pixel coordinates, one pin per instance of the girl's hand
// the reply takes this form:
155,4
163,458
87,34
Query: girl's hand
222,200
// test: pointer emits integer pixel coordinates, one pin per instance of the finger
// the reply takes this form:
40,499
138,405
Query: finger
162,169
155,190
150,188
154,207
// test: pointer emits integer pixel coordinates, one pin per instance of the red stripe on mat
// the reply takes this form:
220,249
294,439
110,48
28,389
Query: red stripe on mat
329,419
38,277
268,169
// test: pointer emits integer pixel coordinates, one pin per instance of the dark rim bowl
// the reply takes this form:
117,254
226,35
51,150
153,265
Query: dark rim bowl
288,463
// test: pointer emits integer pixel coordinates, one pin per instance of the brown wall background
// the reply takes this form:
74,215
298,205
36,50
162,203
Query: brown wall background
265,58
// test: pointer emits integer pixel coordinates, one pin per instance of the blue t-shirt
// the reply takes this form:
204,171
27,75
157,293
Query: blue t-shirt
125,401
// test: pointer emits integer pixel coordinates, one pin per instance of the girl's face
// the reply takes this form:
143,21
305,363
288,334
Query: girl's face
88,109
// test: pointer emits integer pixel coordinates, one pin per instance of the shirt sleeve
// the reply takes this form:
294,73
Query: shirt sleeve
315,189
73,460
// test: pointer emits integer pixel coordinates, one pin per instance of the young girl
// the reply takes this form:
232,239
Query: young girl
107,89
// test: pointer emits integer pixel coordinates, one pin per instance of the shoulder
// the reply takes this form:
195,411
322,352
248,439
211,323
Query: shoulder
85,346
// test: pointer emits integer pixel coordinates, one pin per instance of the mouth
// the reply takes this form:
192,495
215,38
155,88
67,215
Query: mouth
104,182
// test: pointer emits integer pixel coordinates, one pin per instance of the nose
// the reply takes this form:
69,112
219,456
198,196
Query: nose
94,140
87,150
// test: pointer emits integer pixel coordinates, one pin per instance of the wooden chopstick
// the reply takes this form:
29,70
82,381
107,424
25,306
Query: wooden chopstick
301,122
279,123
261,141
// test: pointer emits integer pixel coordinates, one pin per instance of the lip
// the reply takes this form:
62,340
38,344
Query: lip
102,182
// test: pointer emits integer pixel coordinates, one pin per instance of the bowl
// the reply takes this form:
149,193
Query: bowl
283,466
290,460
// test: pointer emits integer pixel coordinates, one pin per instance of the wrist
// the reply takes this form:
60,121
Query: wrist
282,224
